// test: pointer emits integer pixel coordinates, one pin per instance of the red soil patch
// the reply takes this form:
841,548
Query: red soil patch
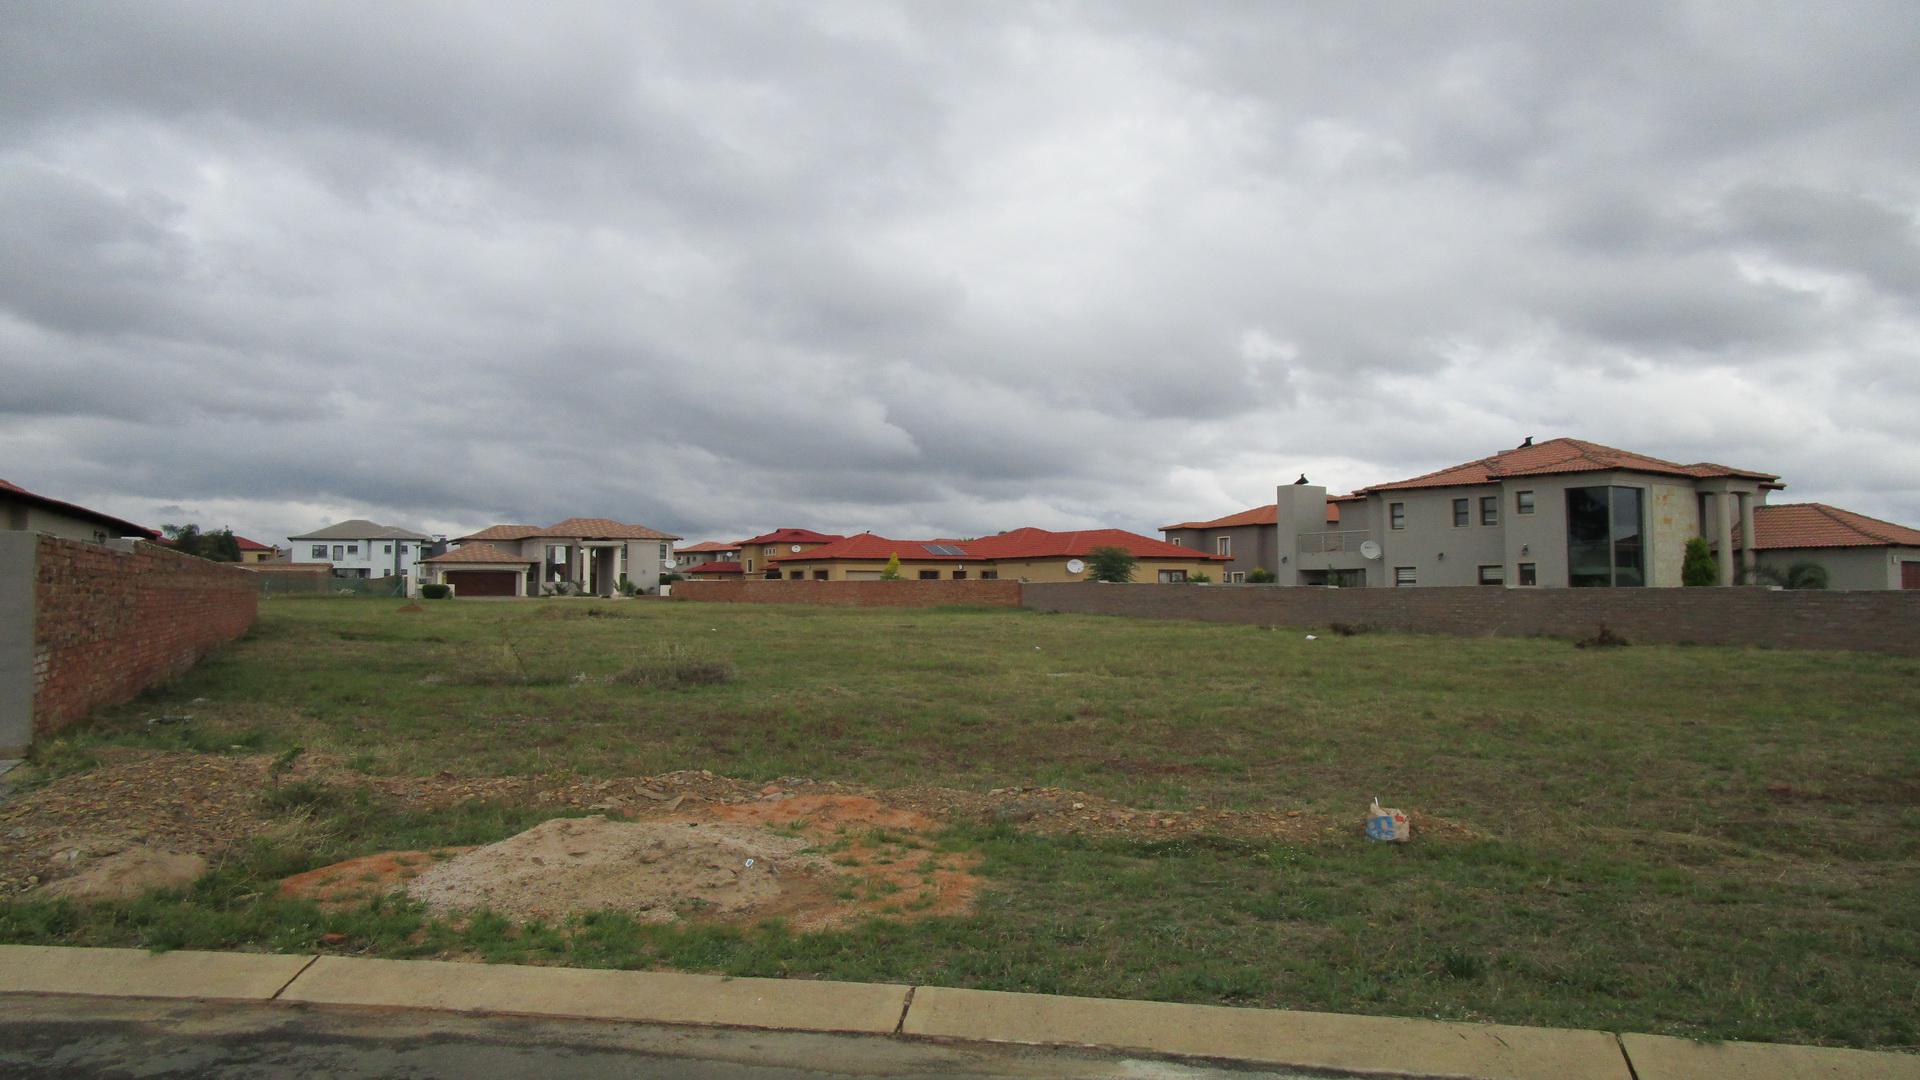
345,884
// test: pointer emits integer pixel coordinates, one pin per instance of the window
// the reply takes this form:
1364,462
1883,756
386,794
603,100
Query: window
959,575
1402,575
989,575
929,575
1493,575
768,550
319,551
796,575
749,566
1489,509
1523,502
353,549
1223,545
1460,513
1527,576
1238,577
1174,577
1347,579
819,575
1177,541
387,550
663,552
1605,540
1396,515
339,552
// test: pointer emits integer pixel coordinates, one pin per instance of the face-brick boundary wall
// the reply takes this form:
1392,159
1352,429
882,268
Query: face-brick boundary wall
96,624
853,593
1867,621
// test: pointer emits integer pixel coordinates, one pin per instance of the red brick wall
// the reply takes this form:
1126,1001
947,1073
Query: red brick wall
853,593
1887,621
109,623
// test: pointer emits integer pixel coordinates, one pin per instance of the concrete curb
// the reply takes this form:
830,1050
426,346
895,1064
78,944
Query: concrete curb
1368,1045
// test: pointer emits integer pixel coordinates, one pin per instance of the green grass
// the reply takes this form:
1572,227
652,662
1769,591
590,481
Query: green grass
1634,870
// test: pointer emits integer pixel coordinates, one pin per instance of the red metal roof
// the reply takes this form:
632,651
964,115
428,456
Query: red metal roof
720,566
792,536
1015,544
1817,525
1559,456
130,529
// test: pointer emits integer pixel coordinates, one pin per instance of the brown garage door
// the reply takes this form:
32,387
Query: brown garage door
481,582
1910,575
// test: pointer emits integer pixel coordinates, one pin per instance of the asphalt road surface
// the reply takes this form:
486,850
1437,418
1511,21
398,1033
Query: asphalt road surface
46,1036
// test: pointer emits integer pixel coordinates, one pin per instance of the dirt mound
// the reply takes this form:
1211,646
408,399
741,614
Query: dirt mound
126,874
655,870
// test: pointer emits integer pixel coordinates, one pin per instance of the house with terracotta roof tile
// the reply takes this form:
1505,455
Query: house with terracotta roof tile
1857,551
1564,512
1020,554
578,555
1250,539
758,553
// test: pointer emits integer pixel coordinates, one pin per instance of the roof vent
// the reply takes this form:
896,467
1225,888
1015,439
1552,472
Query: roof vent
1524,445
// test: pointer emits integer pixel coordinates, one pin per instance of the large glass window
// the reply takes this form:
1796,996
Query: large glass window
1605,537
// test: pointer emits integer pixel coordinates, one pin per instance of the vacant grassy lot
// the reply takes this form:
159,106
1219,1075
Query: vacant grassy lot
1686,840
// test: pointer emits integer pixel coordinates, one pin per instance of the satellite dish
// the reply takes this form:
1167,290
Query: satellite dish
1369,549
669,562
795,548
1074,566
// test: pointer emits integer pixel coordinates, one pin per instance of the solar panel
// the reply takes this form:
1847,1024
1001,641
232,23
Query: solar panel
942,549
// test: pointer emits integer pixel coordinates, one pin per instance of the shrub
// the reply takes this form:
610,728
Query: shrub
435,591
1699,567
892,570
1199,577
1112,564
626,587
1261,576
1804,574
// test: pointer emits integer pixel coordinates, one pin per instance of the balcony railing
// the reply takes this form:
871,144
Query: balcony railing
1321,543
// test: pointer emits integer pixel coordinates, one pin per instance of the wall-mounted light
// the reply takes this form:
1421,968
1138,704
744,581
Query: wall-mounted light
1283,558
1442,557
1523,549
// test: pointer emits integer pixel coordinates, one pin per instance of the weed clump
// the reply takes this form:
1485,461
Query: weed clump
675,667
1348,629
1604,639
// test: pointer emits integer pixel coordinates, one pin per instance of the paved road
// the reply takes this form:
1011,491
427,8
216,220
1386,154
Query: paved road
51,1036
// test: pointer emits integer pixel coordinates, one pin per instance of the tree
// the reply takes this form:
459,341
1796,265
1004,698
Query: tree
1699,567
219,545
1112,564
892,570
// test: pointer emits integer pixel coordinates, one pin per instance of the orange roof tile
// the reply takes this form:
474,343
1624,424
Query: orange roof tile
503,532
705,546
1558,456
1261,515
478,553
602,529
718,567
1817,525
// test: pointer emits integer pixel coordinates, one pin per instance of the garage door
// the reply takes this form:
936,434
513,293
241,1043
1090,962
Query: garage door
481,582
1910,575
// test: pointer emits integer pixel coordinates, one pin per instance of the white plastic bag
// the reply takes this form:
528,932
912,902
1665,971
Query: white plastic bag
1385,823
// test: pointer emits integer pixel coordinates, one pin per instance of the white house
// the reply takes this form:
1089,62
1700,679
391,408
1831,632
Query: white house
361,548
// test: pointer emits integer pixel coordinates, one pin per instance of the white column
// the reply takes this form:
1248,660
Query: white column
1747,553
1723,512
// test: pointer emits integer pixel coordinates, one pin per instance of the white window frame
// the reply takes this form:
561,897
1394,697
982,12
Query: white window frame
1411,577
1499,574
1222,545
1526,507
1397,516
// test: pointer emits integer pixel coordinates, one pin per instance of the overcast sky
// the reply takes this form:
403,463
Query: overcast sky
941,269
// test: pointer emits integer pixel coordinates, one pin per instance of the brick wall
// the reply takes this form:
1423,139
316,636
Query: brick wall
108,622
853,593
1880,621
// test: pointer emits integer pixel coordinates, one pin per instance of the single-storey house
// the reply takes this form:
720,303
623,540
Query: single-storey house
758,553
1856,551
1021,554
25,511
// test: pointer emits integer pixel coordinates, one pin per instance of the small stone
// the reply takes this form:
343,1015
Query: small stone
332,937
